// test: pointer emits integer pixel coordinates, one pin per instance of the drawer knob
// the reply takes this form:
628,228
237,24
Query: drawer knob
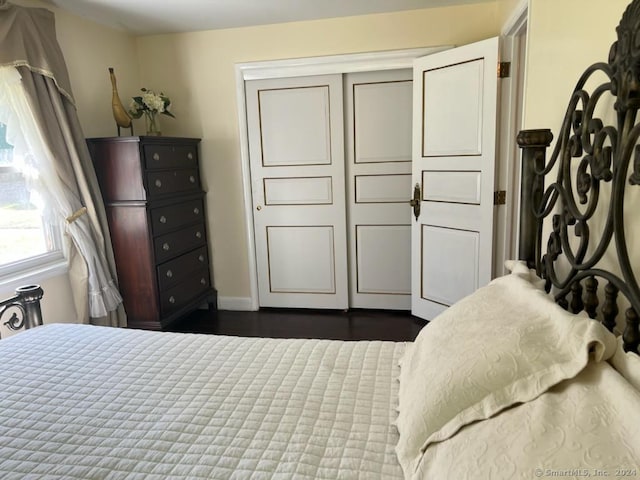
172,299
190,156
196,211
203,281
169,273
163,219
201,257
165,247
198,234
192,179
158,183
156,156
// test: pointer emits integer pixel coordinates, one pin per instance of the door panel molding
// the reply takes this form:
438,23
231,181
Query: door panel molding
281,110
452,126
375,105
294,251
461,248
383,275
369,188
451,186
298,190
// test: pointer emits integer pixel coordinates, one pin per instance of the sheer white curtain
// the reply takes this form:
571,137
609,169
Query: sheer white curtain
36,161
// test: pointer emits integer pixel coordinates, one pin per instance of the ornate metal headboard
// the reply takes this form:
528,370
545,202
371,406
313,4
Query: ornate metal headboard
591,161
23,309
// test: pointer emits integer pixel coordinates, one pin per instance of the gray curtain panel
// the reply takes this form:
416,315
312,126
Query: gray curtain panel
28,42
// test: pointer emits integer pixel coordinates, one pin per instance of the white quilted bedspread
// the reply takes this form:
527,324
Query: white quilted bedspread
84,402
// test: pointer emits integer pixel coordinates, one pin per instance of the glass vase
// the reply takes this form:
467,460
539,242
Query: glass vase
152,122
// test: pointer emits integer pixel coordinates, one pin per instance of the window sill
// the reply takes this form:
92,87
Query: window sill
34,274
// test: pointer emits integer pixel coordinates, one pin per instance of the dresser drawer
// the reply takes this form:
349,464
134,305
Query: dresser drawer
176,243
182,293
170,156
179,269
173,181
166,219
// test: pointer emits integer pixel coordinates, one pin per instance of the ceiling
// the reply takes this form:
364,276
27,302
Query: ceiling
145,17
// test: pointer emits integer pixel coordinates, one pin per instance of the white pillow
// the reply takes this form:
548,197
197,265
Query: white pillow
506,343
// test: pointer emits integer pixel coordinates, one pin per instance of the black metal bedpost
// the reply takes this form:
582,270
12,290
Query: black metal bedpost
30,297
534,144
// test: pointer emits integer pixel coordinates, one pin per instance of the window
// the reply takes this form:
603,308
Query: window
27,237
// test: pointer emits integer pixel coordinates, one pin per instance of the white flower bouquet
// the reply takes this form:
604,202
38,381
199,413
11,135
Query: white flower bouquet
150,101
150,104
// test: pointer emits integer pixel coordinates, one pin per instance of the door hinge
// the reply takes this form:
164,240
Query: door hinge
500,197
504,69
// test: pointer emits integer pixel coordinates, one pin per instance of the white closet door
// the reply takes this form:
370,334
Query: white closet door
378,108
454,137
296,149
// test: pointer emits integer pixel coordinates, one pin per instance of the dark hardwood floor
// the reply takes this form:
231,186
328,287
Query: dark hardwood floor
296,323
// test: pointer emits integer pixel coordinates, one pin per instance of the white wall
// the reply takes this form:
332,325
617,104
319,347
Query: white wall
197,71
89,49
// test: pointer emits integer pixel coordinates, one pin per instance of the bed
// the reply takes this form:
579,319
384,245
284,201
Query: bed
525,378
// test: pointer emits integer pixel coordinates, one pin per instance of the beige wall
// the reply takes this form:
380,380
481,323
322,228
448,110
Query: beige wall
507,9
197,71
89,49
561,45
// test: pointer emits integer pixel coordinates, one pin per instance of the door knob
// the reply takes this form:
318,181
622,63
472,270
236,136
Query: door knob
415,201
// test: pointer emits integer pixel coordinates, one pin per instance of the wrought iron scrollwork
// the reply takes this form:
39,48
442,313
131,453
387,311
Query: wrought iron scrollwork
595,163
23,309
16,313
15,322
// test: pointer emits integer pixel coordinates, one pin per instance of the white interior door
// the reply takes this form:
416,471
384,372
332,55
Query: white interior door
454,133
295,129
378,108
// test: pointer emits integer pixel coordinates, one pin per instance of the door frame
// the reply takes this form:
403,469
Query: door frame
510,118
333,64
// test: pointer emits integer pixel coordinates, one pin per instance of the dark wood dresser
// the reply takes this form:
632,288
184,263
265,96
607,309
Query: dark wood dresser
155,208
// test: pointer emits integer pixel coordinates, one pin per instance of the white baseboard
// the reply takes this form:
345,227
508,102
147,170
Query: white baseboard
235,303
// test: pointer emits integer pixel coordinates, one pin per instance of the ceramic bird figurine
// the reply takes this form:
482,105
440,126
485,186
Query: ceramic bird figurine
120,114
